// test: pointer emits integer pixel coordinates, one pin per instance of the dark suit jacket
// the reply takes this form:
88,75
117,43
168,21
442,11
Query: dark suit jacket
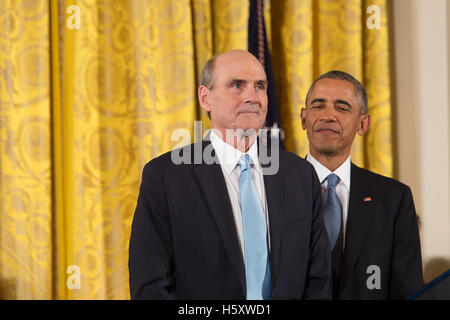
381,231
184,242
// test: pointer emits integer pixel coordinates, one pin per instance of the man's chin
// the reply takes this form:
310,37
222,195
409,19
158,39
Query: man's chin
244,132
328,150
248,128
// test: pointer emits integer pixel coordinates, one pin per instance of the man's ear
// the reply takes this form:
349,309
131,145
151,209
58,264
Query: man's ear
364,124
303,116
203,95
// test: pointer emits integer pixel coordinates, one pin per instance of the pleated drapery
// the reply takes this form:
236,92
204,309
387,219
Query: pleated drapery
84,107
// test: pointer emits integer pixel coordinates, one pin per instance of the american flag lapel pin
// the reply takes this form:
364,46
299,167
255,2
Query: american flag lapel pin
367,199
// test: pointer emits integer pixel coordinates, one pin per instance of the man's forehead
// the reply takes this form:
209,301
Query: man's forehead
239,65
245,79
334,89
230,77
236,56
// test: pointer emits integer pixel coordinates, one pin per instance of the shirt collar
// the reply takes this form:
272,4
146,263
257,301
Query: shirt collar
229,156
343,171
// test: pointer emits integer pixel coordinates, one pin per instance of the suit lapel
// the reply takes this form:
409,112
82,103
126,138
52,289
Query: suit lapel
274,185
360,213
212,183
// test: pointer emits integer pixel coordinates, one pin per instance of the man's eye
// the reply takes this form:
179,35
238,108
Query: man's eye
317,106
343,108
261,87
236,85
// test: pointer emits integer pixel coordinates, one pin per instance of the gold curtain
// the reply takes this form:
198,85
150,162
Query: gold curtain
316,36
83,109
25,144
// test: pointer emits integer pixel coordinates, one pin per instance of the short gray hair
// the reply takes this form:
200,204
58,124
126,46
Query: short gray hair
207,75
341,75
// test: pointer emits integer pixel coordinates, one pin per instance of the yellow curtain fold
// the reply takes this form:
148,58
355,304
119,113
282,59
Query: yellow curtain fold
128,83
378,141
25,146
83,108
58,181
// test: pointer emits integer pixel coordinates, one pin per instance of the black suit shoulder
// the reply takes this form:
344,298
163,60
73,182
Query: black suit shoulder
393,197
177,158
378,181
159,163
292,157
291,160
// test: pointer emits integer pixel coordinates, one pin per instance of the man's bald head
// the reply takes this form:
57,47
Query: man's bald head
207,75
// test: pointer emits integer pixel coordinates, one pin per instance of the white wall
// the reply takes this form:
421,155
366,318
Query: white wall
421,42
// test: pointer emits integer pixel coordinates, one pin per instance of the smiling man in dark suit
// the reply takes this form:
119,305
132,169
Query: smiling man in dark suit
370,219
226,225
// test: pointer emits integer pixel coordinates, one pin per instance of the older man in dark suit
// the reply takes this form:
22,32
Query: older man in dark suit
230,227
370,219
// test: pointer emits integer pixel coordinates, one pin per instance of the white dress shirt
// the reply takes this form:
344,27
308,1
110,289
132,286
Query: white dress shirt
342,187
228,158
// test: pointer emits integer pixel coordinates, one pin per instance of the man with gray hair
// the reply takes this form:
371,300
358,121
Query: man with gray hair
228,229
370,219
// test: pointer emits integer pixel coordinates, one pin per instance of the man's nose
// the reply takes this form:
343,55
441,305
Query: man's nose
328,114
251,94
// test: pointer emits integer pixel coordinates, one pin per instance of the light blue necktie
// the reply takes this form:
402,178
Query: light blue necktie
257,266
332,210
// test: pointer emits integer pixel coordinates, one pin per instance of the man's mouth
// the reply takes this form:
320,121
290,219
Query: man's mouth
249,112
326,130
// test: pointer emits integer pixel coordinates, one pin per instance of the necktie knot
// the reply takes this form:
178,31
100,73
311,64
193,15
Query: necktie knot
332,180
245,162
